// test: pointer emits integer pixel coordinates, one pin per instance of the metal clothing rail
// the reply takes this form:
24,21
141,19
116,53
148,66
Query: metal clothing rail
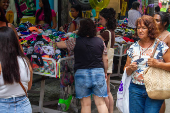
40,108
120,51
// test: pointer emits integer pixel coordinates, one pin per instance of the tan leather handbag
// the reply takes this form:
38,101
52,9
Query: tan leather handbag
157,81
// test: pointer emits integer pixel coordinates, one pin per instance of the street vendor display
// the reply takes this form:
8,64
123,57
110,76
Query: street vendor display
124,37
38,42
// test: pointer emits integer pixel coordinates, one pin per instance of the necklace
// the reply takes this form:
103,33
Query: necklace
145,49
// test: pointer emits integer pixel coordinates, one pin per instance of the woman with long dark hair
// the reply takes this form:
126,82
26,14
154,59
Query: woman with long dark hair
4,4
162,21
76,13
15,74
45,14
108,20
4,22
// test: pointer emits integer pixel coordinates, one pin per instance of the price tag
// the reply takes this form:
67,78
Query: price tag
34,56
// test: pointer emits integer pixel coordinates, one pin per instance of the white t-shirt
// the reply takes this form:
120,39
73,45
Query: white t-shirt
133,15
15,90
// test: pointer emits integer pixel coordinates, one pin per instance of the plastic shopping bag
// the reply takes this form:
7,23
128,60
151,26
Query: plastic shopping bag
122,102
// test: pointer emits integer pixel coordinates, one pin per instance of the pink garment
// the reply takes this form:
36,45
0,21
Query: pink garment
160,4
41,17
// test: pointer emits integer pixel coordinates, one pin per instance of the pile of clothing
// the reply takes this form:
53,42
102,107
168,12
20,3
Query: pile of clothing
38,42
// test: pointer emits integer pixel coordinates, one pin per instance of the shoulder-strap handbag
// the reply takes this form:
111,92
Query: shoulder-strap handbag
110,54
157,81
23,88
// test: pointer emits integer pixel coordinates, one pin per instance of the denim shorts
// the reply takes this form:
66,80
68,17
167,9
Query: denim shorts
15,105
90,81
139,102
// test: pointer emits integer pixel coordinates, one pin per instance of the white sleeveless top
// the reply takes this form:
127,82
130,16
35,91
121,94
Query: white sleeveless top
15,90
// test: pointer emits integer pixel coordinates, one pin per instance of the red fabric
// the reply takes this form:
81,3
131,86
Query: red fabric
63,39
41,17
75,24
128,39
99,28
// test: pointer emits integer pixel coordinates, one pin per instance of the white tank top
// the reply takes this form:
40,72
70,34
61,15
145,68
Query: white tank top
15,90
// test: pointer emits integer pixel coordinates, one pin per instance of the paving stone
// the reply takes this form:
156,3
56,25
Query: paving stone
52,92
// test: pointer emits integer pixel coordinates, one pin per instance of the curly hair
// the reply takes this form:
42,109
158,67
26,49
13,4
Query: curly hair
150,23
87,28
109,14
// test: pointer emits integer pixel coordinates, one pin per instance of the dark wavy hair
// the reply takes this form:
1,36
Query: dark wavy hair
164,18
78,8
87,28
150,23
47,12
157,8
109,14
2,17
9,51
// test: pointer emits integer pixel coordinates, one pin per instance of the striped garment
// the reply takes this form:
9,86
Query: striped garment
133,15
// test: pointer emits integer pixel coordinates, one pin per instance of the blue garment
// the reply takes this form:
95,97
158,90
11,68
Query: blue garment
90,81
139,102
15,105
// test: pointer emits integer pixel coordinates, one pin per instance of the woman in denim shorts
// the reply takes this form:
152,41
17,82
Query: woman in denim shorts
15,73
90,66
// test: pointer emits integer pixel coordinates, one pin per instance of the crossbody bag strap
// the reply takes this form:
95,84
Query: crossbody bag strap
109,43
165,37
155,49
23,88
152,55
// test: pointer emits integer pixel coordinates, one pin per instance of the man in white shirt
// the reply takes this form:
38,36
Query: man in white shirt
133,14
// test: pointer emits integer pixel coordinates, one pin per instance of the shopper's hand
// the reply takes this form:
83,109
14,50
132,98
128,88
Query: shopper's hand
152,62
61,28
15,24
106,76
76,31
133,66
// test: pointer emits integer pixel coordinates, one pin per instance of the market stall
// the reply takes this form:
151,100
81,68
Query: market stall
38,42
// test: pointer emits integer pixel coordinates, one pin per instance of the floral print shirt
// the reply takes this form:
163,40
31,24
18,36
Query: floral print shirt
141,55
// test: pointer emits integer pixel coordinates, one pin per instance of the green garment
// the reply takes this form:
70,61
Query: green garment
168,28
163,9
